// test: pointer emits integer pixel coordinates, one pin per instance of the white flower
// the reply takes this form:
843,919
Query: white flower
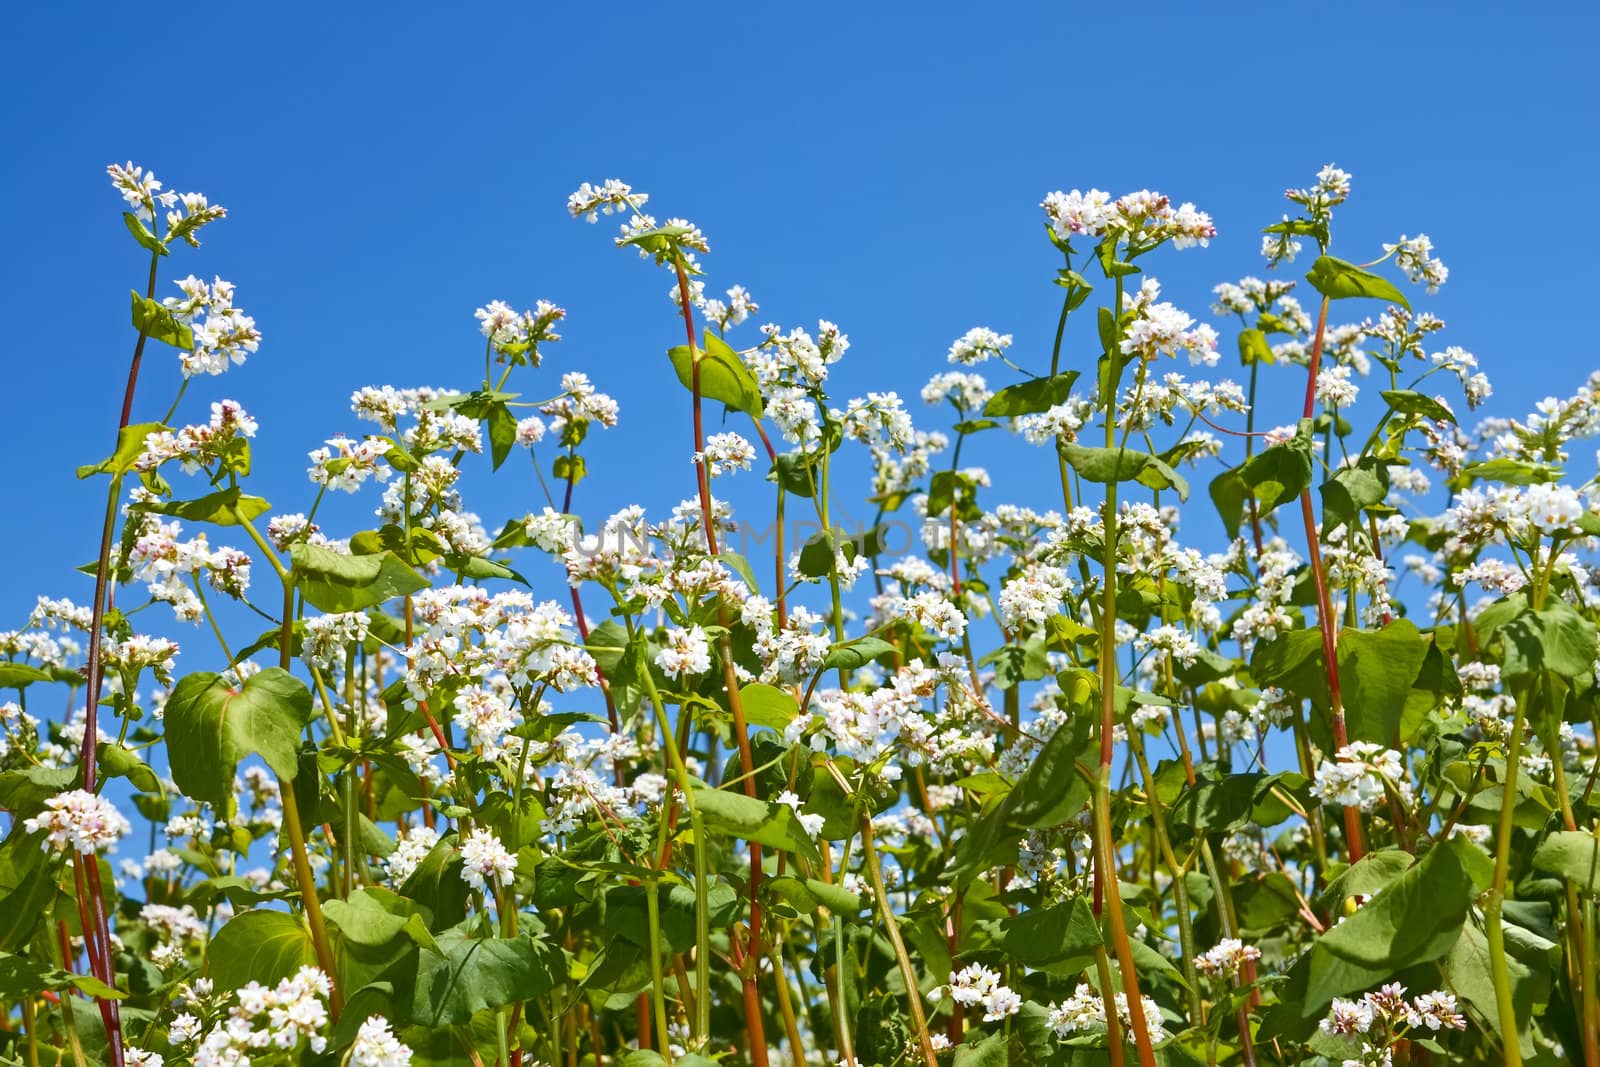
484,860
812,824
977,345
80,820
409,852
611,195
977,984
1414,255
685,652
726,452
376,1046
1224,960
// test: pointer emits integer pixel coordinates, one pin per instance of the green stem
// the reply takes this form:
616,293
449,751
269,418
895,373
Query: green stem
1105,848
1494,932
908,974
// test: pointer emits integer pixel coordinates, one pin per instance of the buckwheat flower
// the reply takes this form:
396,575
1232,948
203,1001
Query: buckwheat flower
1279,435
1034,595
1414,256
286,530
376,1046
1060,423
1085,1013
1551,508
880,420
79,820
935,614
811,823
1357,778
590,201
1335,388
196,213
1436,1011
725,453
1347,1018
183,1029
1078,213
484,860
141,652
1224,960
140,189
530,431
223,335
328,637
1161,328
485,718
346,464
1331,190
977,345
685,652
968,392
1279,248
730,313
138,1057
1175,642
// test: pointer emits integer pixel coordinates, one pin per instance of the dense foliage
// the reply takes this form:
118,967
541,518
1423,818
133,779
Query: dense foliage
842,804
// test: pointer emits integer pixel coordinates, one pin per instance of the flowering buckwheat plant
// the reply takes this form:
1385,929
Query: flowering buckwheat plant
989,781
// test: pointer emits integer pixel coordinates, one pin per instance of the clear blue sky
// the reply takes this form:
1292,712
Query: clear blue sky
390,167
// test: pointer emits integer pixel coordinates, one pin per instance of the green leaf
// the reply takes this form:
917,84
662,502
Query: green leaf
229,507
853,654
142,234
767,705
211,727
1109,465
1031,397
130,446
1338,280
1049,793
723,375
502,433
1555,638
1468,970
1222,803
1351,490
373,917
985,1052
809,894
1228,493
1415,920
1051,934
1279,473
1411,402
750,819
23,792
337,583
258,946
1253,348
118,762
796,473
1507,472
159,324
1366,877
1573,855
1377,669
21,675
28,901
473,974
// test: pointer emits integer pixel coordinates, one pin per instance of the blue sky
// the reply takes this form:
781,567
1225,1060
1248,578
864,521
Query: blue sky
389,168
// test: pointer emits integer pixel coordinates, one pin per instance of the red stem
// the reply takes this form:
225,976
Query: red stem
1325,619
752,996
